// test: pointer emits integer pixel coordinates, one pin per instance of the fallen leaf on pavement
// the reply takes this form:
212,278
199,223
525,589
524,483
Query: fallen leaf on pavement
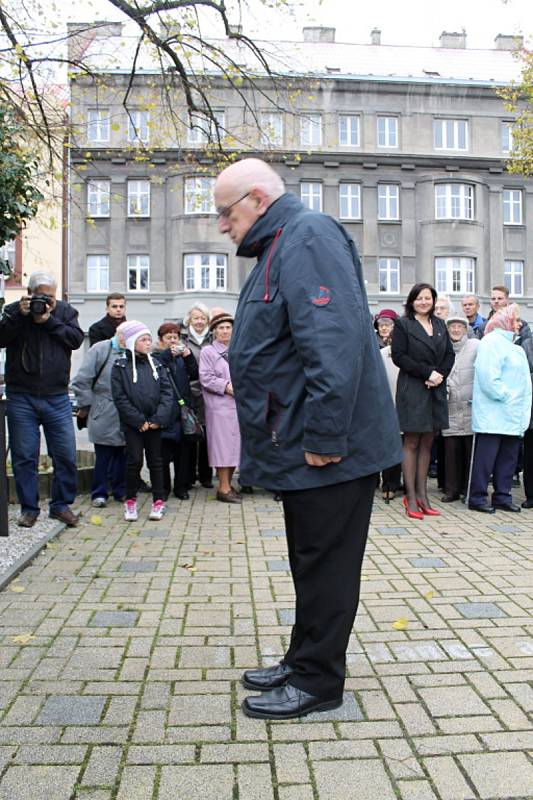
16,587
400,624
95,520
23,638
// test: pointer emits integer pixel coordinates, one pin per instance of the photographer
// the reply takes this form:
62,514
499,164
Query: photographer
39,333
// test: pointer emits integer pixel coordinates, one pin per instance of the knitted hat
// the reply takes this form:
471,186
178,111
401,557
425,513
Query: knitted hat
387,314
218,318
457,318
131,330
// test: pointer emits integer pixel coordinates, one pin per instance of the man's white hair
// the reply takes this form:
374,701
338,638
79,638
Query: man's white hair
41,279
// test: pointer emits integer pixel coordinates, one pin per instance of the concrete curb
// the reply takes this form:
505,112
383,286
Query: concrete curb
29,555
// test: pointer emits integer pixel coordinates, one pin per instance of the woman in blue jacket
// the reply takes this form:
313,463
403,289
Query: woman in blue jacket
501,408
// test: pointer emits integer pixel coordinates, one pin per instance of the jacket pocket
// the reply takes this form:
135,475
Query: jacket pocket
273,417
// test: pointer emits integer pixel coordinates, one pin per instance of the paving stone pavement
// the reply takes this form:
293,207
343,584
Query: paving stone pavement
123,645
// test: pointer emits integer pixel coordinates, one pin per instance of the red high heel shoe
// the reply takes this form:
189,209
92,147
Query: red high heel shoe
429,512
411,514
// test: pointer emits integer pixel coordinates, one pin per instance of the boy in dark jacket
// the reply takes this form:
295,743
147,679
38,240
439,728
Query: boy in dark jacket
143,397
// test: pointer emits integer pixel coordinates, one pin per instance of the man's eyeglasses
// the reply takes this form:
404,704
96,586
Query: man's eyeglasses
223,213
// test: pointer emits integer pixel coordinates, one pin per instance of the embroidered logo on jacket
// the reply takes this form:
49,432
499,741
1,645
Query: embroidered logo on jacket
324,297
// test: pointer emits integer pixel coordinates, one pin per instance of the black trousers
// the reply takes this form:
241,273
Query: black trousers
458,450
199,462
327,529
391,478
528,463
137,443
497,455
176,453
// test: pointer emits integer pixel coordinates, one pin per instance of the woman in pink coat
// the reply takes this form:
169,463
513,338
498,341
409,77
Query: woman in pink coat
222,425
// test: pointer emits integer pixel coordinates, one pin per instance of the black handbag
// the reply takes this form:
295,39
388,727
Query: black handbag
81,422
191,428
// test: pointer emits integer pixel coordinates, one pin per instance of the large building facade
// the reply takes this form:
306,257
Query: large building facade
405,146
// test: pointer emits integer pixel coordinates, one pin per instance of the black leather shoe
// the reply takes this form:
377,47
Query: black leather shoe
182,494
449,498
286,702
527,504
483,509
508,507
263,680
207,484
27,520
246,489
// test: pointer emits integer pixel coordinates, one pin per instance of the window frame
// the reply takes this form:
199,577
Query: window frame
276,140
507,134
310,122
97,198
213,272
385,266
510,275
132,214
465,201
510,205
100,289
349,130
137,267
444,122
387,119
135,127
198,135
466,275
312,195
104,122
194,209
350,199
388,200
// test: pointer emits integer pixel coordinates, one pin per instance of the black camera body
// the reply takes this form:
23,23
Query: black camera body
39,303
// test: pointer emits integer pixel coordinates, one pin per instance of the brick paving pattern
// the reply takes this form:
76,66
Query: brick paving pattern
123,645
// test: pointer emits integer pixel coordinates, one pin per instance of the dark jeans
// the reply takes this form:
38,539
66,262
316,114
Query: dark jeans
176,453
528,463
109,471
497,455
199,462
327,529
137,443
25,414
458,451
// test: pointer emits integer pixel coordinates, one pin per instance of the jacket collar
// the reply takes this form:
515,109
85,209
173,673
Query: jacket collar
264,228
219,347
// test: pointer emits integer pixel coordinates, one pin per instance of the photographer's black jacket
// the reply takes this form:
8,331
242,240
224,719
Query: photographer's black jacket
38,355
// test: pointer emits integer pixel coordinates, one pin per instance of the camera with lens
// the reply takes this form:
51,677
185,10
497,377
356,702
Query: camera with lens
39,303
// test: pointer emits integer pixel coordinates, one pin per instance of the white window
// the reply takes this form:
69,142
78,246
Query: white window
454,201
138,127
272,129
311,130
138,273
513,277
454,275
138,198
507,137
349,130
204,271
204,129
387,133
389,275
512,207
349,201
199,196
97,273
311,195
98,196
388,201
450,134
98,125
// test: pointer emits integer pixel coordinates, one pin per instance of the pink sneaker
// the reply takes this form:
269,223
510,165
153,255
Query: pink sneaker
130,510
158,509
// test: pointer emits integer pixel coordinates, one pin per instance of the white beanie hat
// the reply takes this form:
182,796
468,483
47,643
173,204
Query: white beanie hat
131,330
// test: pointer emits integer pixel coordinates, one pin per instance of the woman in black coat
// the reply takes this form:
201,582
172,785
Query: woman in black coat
422,349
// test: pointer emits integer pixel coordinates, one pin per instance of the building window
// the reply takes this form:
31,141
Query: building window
204,272
454,275
98,198
388,201
512,207
387,131
138,198
349,201
138,127
311,130
98,125
450,134
272,129
97,273
513,277
138,273
507,137
454,201
389,275
349,130
199,196
311,195
204,129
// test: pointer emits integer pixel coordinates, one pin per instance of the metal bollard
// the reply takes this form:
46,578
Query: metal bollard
4,524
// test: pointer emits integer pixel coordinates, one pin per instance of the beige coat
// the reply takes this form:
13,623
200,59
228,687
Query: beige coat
461,388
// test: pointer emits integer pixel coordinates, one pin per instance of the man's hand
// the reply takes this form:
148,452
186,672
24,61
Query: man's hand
316,460
83,412
40,318
153,426
24,305
144,427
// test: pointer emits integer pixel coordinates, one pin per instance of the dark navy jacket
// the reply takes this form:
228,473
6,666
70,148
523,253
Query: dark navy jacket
305,364
183,370
38,354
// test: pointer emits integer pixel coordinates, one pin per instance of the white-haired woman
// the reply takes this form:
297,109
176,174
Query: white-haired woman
196,335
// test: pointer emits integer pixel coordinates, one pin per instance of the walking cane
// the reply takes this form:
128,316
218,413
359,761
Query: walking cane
467,499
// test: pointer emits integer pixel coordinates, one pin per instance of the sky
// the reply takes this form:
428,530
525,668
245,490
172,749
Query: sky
415,22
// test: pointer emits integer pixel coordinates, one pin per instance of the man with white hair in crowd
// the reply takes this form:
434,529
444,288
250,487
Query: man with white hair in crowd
39,333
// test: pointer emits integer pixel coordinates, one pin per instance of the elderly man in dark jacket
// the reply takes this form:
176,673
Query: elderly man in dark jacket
316,417
39,333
